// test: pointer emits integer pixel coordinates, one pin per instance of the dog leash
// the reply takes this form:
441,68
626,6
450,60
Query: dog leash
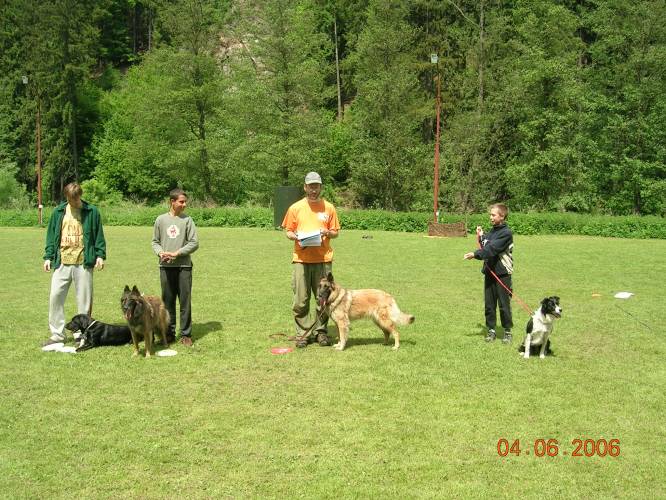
629,314
76,339
520,301
306,334
87,328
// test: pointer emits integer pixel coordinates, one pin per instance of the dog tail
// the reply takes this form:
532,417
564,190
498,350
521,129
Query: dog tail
399,317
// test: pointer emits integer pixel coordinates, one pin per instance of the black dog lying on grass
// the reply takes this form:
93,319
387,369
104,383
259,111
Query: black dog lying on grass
95,333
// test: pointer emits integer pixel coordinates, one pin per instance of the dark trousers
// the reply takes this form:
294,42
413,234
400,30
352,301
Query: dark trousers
494,294
177,284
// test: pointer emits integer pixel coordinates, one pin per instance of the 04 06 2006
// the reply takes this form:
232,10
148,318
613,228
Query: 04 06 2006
579,447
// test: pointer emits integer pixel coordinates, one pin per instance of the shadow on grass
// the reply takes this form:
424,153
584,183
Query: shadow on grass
482,331
334,335
352,342
201,330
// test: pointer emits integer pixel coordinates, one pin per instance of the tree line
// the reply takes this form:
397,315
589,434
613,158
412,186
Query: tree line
546,105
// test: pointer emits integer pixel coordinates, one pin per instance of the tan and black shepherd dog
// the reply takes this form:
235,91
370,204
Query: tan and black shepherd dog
344,306
145,315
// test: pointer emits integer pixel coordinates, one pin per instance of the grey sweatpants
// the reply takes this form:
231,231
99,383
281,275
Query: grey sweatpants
61,280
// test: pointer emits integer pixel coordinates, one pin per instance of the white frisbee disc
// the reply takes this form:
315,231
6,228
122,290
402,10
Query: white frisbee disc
53,347
167,352
68,348
623,295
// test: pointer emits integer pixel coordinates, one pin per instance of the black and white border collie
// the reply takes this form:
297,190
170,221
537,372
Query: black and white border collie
539,327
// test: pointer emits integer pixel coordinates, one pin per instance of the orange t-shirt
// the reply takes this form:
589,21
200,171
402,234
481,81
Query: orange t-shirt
304,217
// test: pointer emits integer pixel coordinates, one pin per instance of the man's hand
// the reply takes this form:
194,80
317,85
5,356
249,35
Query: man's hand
47,266
99,263
468,255
328,233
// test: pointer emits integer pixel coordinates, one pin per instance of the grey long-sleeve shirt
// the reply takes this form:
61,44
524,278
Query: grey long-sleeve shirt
171,234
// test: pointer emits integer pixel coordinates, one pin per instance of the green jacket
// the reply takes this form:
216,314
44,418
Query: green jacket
94,244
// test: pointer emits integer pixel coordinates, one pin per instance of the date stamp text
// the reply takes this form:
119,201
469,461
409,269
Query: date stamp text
551,448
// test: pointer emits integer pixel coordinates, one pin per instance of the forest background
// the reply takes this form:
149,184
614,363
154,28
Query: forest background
548,105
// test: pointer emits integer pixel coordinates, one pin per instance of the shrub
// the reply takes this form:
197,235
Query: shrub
98,193
126,214
12,193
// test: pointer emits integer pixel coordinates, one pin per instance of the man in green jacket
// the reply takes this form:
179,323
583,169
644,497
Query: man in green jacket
74,245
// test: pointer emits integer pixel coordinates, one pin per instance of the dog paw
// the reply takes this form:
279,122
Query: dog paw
339,347
542,356
395,347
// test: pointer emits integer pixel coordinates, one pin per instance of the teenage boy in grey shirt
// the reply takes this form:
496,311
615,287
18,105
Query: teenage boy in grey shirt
174,240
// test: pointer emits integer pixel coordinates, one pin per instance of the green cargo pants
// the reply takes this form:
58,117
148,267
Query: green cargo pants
304,282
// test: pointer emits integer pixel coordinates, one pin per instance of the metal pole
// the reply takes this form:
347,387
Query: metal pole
436,180
39,161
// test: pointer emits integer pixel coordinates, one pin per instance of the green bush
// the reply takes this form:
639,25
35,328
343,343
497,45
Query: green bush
12,193
127,214
98,193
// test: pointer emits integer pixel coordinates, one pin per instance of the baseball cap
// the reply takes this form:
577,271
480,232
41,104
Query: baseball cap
313,178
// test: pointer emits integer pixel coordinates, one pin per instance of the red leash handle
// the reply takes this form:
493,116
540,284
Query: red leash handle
520,301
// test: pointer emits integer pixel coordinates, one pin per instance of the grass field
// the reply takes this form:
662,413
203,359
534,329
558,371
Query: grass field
228,419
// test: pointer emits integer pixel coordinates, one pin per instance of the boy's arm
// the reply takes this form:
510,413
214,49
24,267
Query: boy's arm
157,238
191,239
491,248
49,249
100,241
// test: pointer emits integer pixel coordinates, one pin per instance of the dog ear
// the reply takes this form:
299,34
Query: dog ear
556,299
329,277
126,290
84,321
135,290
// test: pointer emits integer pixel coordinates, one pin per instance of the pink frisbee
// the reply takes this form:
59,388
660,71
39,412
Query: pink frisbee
281,350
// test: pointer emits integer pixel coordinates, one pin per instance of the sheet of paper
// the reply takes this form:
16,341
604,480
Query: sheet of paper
309,239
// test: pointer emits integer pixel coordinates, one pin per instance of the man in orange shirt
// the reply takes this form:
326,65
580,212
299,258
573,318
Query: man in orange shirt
311,223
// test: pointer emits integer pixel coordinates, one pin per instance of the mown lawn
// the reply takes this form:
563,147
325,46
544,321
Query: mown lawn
229,419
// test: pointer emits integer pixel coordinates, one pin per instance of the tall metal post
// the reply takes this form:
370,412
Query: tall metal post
38,143
39,160
435,60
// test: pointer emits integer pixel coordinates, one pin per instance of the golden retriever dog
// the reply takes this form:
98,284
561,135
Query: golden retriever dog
344,306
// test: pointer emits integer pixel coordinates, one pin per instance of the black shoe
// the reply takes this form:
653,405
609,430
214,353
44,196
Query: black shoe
301,342
322,339
507,337
491,335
